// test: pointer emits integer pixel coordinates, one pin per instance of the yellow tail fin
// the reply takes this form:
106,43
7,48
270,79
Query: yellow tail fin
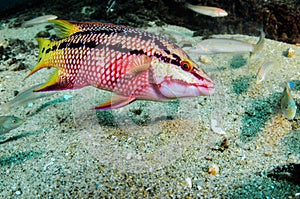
44,46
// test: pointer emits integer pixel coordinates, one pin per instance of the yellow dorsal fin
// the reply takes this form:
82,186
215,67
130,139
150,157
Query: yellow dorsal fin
65,28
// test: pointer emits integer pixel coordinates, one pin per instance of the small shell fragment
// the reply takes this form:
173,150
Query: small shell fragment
214,127
189,182
213,169
205,59
290,53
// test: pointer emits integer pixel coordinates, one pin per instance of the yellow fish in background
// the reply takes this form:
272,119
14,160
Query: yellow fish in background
133,64
288,105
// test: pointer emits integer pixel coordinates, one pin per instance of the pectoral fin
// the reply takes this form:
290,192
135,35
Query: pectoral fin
139,63
116,101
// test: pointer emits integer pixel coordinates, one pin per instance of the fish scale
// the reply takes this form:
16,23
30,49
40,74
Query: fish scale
131,63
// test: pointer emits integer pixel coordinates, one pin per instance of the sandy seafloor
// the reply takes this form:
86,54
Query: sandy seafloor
151,149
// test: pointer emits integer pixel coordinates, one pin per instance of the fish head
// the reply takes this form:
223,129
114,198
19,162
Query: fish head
12,122
289,110
180,77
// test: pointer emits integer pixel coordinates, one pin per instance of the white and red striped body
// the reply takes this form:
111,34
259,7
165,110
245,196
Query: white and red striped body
131,63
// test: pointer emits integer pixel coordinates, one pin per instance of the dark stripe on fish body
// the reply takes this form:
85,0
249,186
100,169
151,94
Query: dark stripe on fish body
137,52
167,59
143,36
62,45
90,44
118,47
167,51
102,31
175,62
176,57
54,48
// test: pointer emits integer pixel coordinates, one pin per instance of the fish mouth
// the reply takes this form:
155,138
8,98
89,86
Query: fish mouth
205,90
206,85
180,89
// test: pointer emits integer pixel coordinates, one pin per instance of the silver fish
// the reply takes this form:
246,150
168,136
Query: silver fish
25,97
207,10
7,123
263,71
38,20
288,105
216,45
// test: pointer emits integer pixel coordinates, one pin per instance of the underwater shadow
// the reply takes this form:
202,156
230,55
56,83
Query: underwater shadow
238,61
49,103
241,84
140,116
257,114
263,186
106,118
19,158
14,138
288,172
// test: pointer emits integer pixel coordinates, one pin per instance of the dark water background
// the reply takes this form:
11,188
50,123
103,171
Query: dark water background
280,19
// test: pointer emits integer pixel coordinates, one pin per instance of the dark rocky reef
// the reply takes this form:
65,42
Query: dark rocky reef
280,19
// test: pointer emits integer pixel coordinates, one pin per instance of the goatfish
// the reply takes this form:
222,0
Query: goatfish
216,45
133,64
288,105
24,98
7,123
207,10
38,20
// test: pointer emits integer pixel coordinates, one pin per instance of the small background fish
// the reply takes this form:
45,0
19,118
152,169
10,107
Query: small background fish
207,10
288,105
24,98
264,70
7,123
38,20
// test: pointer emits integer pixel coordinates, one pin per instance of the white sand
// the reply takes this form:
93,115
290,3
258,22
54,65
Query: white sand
150,149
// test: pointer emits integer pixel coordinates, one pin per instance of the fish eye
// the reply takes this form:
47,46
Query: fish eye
186,66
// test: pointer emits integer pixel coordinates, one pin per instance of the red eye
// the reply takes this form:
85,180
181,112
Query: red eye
186,66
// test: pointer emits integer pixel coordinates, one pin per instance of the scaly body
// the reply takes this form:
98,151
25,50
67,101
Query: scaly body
131,63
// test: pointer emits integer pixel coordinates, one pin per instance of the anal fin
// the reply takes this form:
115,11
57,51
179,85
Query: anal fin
116,101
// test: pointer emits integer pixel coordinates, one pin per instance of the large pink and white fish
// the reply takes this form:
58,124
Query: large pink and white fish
133,64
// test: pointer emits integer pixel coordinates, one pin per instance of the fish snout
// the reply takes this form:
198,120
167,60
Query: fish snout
203,78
